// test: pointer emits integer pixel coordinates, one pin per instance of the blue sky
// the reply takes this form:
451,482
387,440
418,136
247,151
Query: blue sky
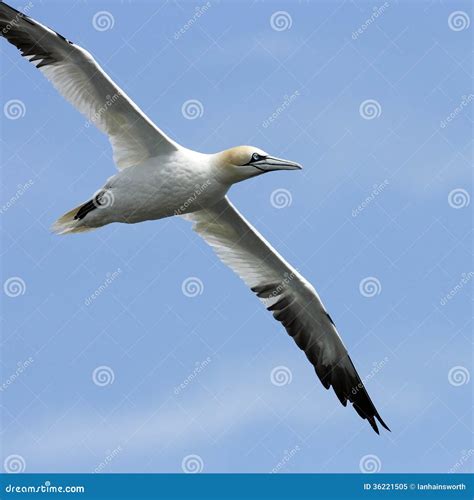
379,221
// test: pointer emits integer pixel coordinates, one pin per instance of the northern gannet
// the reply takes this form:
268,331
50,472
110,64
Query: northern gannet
158,178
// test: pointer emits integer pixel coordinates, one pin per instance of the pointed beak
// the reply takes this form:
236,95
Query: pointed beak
271,163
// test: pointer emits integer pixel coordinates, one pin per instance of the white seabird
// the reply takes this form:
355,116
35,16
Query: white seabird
158,178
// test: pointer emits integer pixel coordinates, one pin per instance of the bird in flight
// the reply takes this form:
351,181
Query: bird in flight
158,178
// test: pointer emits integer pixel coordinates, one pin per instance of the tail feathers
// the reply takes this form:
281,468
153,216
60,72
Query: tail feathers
69,223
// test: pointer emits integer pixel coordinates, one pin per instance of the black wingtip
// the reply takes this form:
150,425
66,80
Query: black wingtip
9,7
8,10
373,422
384,425
372,419
362,403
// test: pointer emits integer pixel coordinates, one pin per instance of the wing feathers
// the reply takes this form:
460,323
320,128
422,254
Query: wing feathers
81,81
291,300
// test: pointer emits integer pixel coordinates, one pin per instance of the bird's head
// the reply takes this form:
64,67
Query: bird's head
243,162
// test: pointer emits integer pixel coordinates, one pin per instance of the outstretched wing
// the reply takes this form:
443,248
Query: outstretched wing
80,80
292,300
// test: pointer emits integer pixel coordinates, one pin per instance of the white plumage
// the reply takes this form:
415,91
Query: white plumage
158,178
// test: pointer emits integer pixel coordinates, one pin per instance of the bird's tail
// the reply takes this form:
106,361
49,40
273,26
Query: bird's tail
71,223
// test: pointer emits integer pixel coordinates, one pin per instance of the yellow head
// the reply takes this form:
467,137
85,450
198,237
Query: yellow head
243,162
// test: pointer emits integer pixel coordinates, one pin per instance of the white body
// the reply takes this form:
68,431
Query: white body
159,187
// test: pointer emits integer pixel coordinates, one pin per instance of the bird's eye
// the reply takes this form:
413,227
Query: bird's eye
255,156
